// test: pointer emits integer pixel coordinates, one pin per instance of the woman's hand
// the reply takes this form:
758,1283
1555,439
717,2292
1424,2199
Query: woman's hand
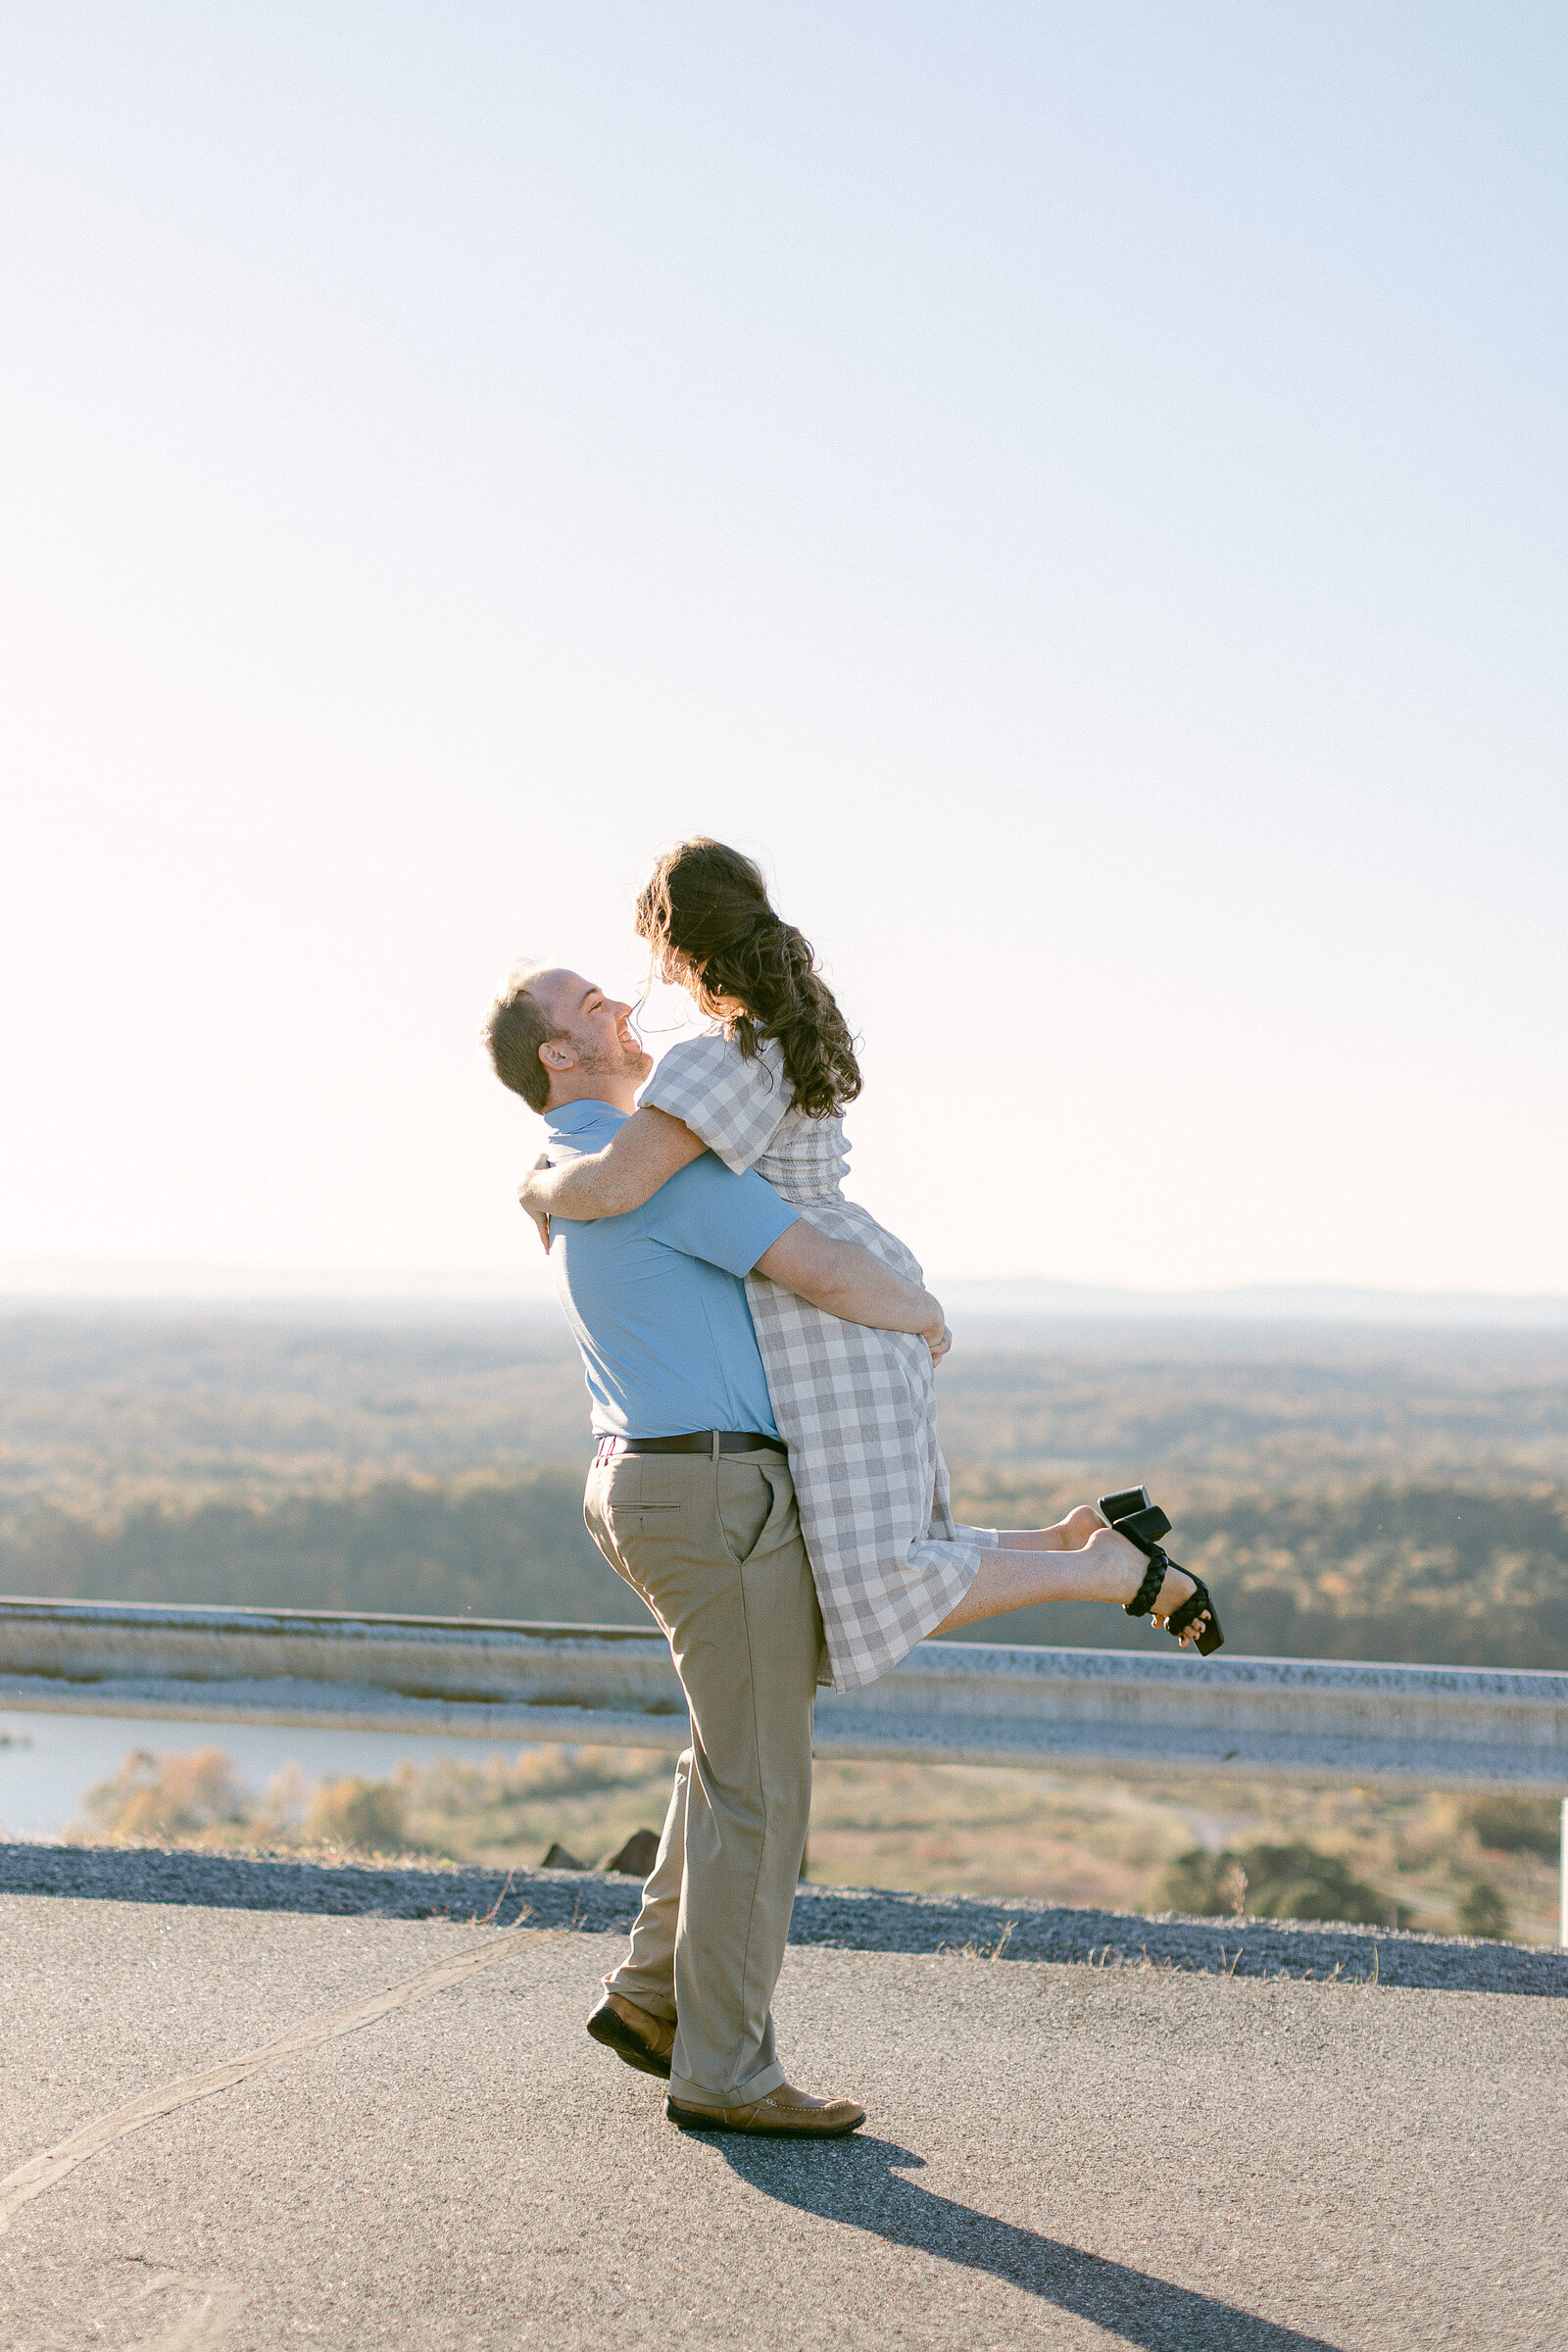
939,1341
528,1193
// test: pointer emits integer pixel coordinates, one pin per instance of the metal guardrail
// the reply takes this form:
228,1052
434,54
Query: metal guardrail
1291,1719
963,1701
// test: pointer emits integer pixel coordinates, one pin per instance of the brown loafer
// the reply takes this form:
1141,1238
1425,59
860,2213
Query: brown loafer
644,2041
784,2114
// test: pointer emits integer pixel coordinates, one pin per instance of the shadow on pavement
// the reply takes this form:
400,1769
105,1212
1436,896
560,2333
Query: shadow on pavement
853,2180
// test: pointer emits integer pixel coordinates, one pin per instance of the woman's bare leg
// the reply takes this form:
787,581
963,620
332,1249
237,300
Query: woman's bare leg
1106,1567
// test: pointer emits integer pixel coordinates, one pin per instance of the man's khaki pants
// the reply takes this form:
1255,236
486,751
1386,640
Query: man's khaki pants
713,1546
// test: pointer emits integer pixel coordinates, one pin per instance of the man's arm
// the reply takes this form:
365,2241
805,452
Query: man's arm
847,1281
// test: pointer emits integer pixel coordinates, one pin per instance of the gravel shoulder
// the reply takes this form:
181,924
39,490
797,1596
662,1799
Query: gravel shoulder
845,1918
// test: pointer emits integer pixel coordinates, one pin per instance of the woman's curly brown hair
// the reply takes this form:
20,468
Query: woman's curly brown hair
705,911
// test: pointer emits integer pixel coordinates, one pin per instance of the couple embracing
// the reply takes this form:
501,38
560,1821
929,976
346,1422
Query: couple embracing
759,1358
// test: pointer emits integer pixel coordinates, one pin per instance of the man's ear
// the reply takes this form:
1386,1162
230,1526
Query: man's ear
557,1055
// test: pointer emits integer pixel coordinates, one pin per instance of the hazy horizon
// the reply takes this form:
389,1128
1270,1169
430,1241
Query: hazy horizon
173,1284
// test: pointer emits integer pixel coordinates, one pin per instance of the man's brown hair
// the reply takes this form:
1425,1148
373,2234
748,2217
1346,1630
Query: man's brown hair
517,1027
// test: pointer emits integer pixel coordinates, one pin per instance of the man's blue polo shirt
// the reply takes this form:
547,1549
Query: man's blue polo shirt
656,1298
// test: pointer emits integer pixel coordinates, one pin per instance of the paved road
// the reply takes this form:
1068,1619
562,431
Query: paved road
1056,2154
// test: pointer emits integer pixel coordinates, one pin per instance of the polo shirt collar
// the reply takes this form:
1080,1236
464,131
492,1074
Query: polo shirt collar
575,1118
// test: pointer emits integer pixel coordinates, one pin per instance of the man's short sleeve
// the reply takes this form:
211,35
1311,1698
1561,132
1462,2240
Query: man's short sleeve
707,1211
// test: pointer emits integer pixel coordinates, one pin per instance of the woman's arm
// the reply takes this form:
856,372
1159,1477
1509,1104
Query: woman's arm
646,1152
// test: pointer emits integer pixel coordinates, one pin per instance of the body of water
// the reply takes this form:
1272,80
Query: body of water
49,1762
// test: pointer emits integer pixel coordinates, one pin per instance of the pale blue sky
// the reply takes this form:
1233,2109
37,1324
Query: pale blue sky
1079,490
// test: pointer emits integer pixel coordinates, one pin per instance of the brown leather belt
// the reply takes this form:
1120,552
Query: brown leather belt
711,1441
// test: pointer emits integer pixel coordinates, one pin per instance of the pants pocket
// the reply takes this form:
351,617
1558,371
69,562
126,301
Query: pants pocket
629,1512
756,1509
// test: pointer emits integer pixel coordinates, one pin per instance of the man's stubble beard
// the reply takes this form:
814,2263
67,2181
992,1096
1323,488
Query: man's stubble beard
634,1062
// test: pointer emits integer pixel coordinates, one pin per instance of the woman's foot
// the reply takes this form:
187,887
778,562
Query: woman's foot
1129,1570
1177,1588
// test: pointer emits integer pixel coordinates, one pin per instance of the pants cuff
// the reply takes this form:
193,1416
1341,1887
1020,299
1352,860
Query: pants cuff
697,2094
654,1999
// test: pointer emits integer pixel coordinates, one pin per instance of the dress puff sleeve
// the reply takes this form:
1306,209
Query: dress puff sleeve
733,1104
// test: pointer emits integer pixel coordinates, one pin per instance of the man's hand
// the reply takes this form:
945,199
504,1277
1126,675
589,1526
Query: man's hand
940,1344
526,1195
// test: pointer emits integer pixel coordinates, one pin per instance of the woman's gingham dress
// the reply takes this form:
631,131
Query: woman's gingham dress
856,1408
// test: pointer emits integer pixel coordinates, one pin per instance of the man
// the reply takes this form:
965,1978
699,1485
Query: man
690,1499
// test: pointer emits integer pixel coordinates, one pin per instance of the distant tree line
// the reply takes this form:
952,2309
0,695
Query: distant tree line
513,1549
1428,1574
1424,1574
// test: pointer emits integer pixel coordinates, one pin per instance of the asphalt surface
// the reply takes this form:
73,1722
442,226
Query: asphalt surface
1056,2153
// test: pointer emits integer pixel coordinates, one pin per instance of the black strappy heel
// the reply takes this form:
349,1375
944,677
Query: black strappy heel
1132,1514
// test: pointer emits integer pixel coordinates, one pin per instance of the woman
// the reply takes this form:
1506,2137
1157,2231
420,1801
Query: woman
856,1408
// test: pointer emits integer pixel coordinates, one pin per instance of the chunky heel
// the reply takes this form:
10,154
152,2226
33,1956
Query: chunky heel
1133,1514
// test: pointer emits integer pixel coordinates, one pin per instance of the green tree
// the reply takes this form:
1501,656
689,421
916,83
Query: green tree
1515,1825
1483,1911
1283,1882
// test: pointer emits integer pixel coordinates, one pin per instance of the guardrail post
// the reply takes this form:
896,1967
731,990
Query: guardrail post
1562,1879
